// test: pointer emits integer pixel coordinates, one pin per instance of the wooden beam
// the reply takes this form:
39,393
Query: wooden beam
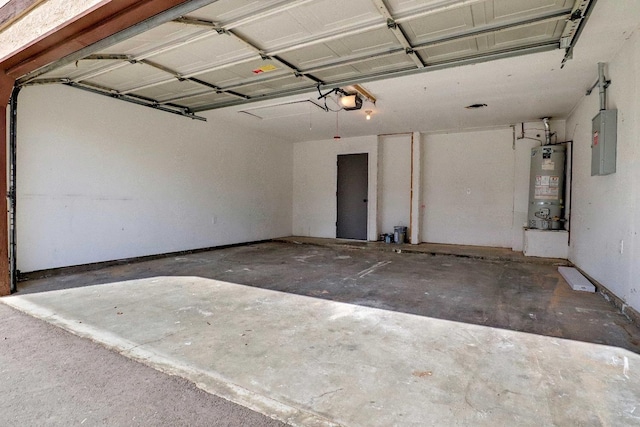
6,86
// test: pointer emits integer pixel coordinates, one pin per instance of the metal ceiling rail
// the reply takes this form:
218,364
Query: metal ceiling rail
127,58
285,5
399,34
259,52
497,28
263,79
139,100
370,25
373,25
179,77
174,44
475,59
191,75
585,8
135,30
486,29
164,48
219,29
490,28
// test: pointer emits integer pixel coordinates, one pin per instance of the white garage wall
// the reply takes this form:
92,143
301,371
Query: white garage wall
315,184
468,188
606,209
394,178
483,163
475,188
100,179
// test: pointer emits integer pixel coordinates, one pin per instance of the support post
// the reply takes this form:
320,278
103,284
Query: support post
6,86
416,188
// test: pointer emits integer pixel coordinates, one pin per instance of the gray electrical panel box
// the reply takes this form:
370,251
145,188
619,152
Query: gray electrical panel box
603,142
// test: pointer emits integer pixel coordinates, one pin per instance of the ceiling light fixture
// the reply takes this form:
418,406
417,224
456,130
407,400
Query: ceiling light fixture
368,114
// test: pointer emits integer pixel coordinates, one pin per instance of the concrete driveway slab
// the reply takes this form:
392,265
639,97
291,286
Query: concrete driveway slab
309,361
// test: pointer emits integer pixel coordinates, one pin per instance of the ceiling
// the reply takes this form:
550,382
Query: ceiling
264,64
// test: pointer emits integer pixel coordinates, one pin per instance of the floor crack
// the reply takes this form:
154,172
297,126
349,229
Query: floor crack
313,399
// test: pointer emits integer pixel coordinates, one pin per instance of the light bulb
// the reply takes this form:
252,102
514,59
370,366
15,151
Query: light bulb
368,114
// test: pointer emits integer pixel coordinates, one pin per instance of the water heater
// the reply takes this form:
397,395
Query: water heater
546,190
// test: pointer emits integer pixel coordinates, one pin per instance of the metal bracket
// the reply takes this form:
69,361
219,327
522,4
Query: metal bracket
607,83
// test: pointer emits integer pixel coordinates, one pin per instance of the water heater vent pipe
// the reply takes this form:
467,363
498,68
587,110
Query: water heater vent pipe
547,131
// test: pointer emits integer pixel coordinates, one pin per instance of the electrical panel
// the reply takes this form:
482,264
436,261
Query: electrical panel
603,142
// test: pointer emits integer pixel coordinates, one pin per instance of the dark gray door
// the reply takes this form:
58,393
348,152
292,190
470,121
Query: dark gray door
353,183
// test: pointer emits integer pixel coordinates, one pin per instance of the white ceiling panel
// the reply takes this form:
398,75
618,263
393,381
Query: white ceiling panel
174,89
232,11
452,50
244,73
359,45
156,39
274,85
129,76
282,110
528,34
80,68
251,50
511,9
443,24
207,99
309,20
390,63
206,53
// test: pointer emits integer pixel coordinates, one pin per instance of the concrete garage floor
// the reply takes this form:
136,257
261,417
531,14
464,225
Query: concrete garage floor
396,354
